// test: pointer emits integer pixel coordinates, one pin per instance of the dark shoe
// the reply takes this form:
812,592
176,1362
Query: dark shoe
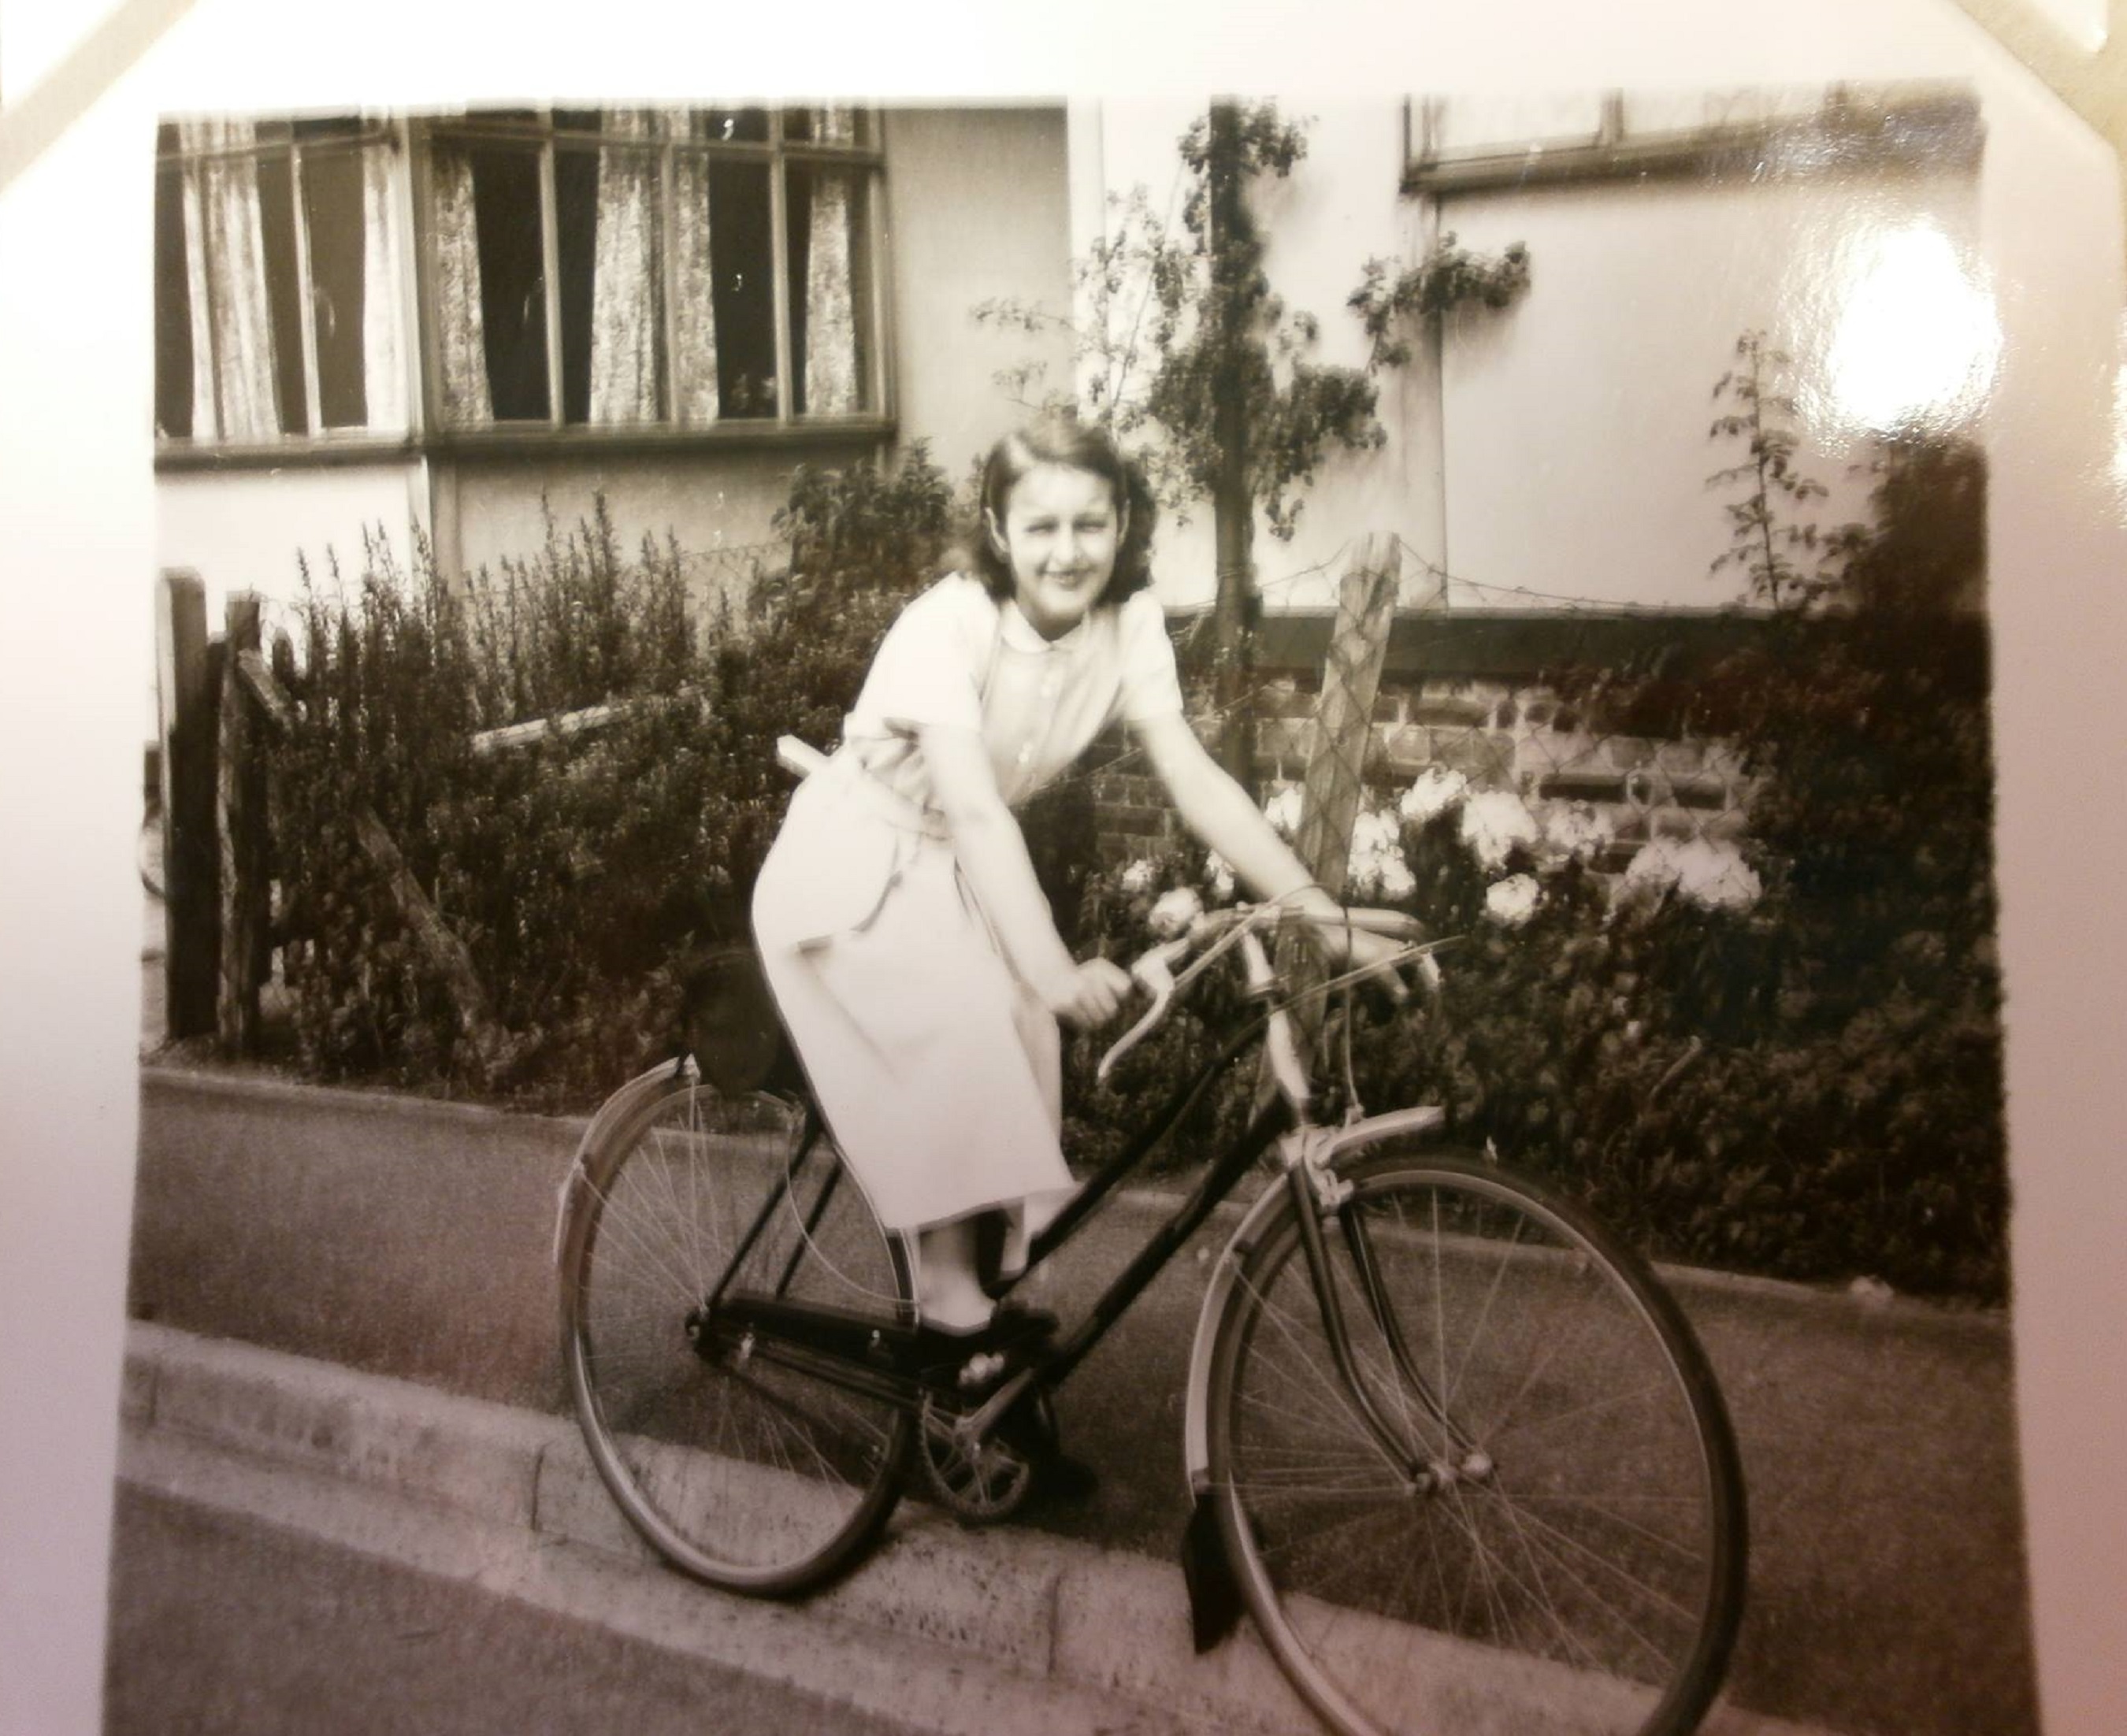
1019,1335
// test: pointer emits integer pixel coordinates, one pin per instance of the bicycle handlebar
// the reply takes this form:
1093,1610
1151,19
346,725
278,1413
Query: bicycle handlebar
1215,932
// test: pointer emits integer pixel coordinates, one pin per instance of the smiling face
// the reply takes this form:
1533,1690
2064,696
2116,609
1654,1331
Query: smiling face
1059,534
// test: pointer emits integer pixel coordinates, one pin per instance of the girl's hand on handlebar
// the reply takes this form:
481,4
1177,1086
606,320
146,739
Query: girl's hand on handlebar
1091,995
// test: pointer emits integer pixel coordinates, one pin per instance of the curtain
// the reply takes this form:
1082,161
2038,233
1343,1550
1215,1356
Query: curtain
627,276
383,339
234,395
695,397
831,330
834,124
460,331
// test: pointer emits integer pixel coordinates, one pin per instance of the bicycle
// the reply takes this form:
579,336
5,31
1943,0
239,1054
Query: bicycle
1433,1411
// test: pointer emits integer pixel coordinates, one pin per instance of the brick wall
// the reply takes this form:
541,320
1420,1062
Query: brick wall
1501,730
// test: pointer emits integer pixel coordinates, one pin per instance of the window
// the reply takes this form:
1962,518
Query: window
1488,144
277,291
638,268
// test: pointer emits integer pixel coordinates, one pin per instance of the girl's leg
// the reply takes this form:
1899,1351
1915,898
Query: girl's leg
1025,1221
948,1293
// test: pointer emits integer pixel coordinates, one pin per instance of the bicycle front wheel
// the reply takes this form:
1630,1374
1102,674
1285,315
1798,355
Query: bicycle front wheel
743,1472
1537,1505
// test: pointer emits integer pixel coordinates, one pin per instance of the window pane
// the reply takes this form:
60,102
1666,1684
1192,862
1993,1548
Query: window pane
830,292
576,217
1508,123
743,253
512,283
1690,111
173,306
833,124
284,293
326,127
738,125
333,217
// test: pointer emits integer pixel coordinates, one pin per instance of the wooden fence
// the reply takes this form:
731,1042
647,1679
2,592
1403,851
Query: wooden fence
222,703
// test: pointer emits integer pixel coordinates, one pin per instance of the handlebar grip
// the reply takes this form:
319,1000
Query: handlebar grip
1390,924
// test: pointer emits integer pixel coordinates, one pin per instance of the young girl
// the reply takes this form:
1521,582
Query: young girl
911,951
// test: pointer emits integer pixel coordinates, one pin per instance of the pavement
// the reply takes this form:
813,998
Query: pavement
943,1629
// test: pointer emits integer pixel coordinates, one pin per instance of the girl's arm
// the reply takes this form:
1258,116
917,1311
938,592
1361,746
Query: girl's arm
992,854
1219,811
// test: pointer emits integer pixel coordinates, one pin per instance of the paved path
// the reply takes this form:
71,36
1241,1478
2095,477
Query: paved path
1888,1588
224,1622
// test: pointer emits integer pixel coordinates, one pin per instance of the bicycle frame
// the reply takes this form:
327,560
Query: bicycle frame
830,1346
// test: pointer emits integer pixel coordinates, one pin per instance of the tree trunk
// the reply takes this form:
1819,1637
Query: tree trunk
1233,505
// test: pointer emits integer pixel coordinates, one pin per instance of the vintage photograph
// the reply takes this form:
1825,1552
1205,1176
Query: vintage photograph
1105,914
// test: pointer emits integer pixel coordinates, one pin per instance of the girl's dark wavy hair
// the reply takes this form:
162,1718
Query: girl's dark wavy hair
1064,440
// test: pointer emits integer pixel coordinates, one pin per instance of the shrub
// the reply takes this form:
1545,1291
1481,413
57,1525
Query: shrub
1783,1056
583,872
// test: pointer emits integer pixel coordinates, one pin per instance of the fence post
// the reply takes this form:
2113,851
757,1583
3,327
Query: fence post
1344,716
1343,720
184,720
246,861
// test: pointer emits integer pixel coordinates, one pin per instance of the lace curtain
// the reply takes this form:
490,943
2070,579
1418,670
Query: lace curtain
383,331
461,330
831,327
695,396
232,325
628,322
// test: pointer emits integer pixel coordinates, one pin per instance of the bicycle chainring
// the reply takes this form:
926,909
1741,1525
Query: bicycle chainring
982,1480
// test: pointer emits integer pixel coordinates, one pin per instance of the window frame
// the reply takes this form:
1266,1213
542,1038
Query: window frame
314,443
1916,127
866,158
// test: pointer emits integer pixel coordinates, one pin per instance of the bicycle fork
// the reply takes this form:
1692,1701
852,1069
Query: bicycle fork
1317,1193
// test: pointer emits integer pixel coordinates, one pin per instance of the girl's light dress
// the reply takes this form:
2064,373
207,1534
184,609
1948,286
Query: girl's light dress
938,1070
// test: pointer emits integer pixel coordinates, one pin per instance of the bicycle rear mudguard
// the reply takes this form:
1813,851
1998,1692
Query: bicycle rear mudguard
1214,1593
643,1088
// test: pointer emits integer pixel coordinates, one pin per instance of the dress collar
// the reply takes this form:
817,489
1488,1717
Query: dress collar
1021,635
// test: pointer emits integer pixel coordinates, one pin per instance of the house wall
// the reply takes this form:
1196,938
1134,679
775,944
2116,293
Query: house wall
245,529
1570,454
1577,449
980,210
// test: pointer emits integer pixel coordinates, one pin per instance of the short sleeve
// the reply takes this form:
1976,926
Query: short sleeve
1150,688
929,668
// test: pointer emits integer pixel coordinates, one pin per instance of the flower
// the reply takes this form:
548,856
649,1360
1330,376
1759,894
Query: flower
1221,875
1437,789
1576,829
1282,810
1716,877
1513,900
1175,911
1375,868
1712,875
1138,876
1495,821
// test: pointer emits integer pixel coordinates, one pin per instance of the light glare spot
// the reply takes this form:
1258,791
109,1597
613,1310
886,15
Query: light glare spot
1917,341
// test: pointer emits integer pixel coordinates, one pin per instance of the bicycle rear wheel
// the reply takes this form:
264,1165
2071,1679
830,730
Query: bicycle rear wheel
742,1472
1564,1525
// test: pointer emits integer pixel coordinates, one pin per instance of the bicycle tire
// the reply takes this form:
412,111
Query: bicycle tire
1597,1560
744,1473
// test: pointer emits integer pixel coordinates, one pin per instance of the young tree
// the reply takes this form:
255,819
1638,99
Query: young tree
1185,345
